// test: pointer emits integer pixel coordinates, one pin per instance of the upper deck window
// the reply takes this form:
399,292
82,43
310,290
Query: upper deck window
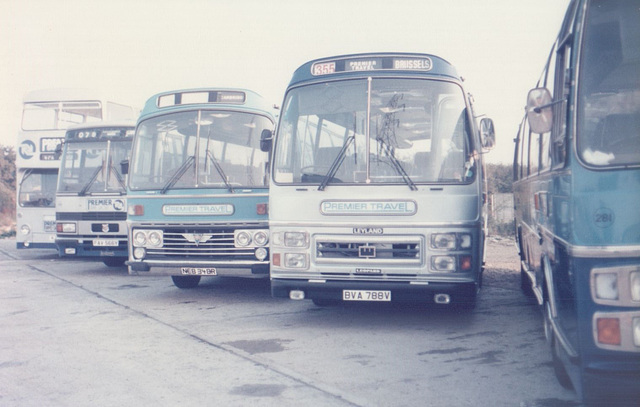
59,115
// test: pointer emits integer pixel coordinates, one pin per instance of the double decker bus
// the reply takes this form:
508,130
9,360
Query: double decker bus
576,190
46,115
377,183
198,187
91,206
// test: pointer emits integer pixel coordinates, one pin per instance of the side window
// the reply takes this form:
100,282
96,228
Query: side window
534,152
524,157
517,154
545,153
561,91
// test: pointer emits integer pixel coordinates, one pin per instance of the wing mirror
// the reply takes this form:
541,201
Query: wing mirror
124,167
539,112
487,134
266,140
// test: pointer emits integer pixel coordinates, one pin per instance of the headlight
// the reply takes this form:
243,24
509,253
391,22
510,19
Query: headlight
148,238
295,260
296,239
261,238
139,238
25,229
606,286
243,238
443,263
443,241
636,331
155,238
634,283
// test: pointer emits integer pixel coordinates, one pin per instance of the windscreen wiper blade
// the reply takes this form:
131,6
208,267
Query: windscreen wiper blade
93,178
337,162
220,171
399,168
178,174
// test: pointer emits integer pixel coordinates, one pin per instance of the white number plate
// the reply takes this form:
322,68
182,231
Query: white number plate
366,295
198,271
105,242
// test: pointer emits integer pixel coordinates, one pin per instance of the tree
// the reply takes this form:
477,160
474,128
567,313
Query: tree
7,190
499,178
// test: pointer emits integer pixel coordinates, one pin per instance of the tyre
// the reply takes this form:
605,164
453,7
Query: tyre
186,281
114,261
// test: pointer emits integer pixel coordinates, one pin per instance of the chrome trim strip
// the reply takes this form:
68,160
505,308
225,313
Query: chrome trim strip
591,251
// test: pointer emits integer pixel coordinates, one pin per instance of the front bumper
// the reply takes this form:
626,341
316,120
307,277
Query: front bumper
400,291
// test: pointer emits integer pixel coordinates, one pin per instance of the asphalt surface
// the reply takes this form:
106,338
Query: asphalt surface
75,332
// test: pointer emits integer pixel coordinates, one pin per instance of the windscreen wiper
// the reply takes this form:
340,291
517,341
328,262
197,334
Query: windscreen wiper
220,171
93,178
118,176
178,174
399,168
337,162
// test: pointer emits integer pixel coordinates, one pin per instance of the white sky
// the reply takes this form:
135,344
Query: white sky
132,49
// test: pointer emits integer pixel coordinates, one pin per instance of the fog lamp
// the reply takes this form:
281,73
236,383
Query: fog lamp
606,285
261,253
139,252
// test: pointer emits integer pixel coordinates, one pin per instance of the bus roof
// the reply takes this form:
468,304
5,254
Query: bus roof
383,63
60,94
206,98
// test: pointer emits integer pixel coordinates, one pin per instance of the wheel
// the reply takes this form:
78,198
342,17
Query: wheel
186,281
558,368
114,261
